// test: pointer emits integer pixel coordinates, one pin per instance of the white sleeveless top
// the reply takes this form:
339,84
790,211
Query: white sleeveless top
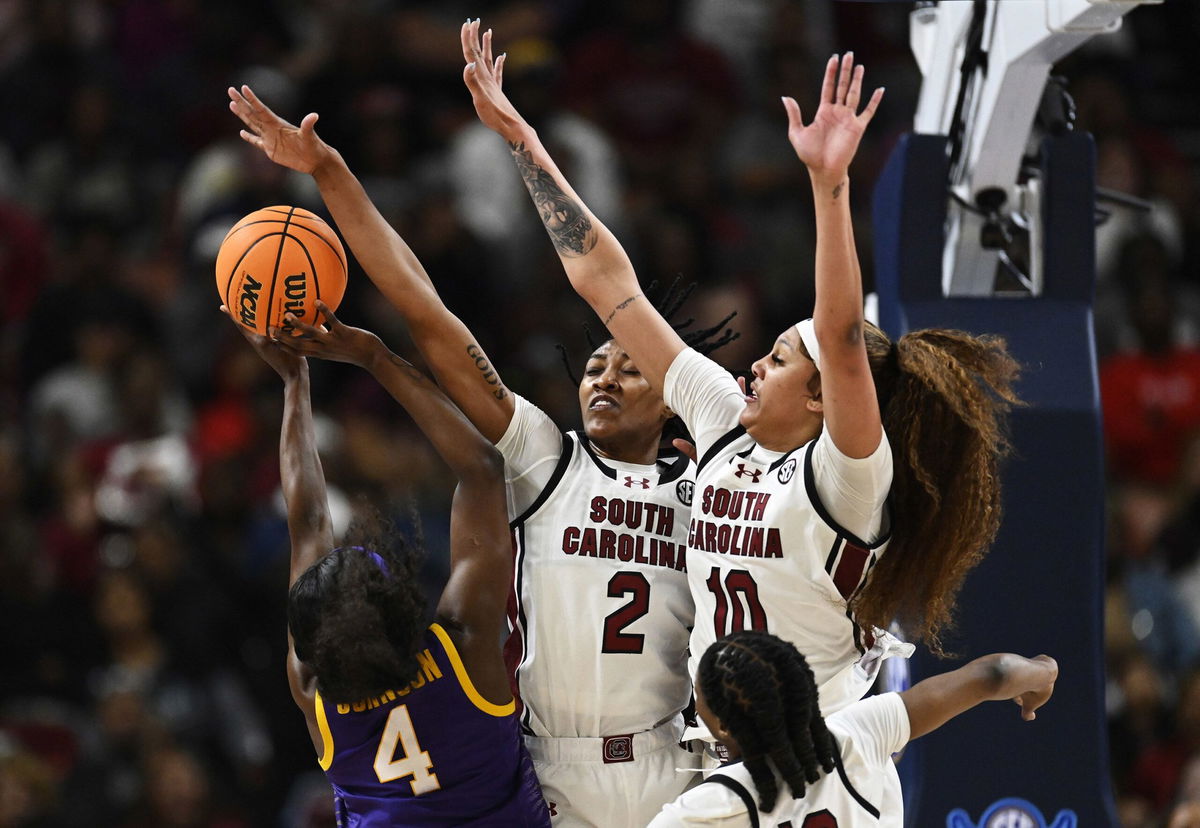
764,549
601,607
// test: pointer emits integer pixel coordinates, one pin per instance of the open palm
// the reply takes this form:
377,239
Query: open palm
827,145
297,148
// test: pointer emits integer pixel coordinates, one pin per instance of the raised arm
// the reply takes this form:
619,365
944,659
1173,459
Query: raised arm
1027,681
454,355
594,260
480,549
300,472
826,147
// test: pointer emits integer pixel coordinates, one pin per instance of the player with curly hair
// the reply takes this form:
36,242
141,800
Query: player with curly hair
413,724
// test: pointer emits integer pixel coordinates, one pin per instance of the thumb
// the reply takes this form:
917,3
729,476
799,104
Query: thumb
685,447
309,124
795,119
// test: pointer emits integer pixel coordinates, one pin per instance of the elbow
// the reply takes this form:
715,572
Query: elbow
842,333
487,466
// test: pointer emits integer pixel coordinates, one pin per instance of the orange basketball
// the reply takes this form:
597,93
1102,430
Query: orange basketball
280,260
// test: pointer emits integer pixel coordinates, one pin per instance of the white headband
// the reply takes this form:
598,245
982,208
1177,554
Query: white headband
808,335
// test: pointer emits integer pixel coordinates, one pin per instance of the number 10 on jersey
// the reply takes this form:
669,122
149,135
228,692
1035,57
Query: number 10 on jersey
737,598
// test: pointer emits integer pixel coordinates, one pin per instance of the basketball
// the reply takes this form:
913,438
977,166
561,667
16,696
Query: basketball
280,260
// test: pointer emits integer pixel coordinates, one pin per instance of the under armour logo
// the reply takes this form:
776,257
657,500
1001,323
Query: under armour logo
553,807
630,482
753,474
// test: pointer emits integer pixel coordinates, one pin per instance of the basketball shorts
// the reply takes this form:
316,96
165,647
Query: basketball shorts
613,782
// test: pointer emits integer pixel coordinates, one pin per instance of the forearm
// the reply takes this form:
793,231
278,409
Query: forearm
384,256
595,263
301,475
470,456
838,311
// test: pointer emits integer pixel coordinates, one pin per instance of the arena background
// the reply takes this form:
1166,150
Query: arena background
142,545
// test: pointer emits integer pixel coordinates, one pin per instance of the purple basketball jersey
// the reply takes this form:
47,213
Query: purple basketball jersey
431,754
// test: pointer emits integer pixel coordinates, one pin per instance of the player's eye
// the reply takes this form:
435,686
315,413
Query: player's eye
775,359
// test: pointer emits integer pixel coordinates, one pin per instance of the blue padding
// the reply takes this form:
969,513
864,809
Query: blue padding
1041,587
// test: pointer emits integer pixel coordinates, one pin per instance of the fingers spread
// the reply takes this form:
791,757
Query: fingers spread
795,120
465,36
827,85
872,105
852,96
330,319
847,70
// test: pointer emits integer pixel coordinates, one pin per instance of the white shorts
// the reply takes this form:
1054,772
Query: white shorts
613,782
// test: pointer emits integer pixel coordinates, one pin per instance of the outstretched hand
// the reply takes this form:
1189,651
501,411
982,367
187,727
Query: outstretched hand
484,76
298,148
827,145
286,363
1031,700
335,341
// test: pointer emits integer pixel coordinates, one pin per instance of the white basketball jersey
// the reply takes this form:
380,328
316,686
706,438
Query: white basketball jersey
763,554
859,791
602,607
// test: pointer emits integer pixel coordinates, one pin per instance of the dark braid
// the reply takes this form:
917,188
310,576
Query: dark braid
764,693
704,340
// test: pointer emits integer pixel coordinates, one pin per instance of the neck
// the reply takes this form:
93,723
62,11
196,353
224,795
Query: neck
643,454
793,439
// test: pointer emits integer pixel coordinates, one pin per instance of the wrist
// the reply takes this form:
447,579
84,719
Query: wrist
519,132
296,374
375,357
327,165
824,181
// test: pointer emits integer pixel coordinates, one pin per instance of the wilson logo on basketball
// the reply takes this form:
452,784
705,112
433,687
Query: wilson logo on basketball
248,301
295,288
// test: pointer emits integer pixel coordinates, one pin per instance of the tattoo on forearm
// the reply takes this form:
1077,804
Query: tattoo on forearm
837,191
622,306
489,374
408,368
569,227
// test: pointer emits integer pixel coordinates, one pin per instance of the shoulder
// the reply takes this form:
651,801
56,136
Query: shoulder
709,803
874,727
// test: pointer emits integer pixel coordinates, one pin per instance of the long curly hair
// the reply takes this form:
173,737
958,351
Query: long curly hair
357,615
764,693
944,396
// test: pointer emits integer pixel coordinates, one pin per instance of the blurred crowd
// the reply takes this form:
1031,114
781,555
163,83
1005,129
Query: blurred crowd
143,546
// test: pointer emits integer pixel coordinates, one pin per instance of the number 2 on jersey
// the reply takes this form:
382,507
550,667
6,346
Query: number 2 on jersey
414,762
620,585
740,593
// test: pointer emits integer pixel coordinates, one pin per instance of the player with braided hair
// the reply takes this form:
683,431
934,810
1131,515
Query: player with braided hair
600,610
791,529
789,766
